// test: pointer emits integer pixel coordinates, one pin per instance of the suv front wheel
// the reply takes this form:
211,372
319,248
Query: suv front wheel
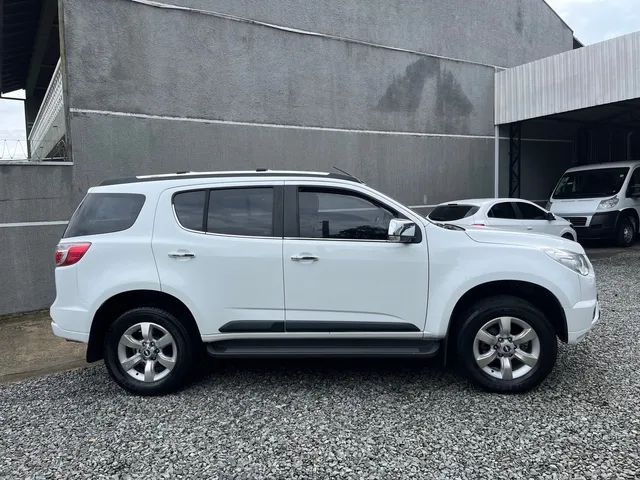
148,351
506,345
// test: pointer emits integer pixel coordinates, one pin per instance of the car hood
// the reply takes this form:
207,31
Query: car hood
576,206
533,240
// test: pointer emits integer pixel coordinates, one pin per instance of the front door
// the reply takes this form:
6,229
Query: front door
341,273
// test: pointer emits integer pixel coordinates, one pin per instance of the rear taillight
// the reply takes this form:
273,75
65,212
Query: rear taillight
70,253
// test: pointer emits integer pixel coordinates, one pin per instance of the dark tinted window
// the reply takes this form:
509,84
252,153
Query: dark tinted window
189,207
634,183
531,212
600,182
341,214
446,213
502,210
241,211
105,213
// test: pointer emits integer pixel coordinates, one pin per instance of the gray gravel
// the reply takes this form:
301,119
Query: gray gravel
347,419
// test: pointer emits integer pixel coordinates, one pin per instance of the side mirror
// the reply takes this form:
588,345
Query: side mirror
402,231
550,216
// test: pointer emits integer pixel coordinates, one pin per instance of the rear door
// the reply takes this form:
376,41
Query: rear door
219,249
341,272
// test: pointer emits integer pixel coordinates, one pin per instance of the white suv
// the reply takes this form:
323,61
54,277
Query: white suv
153,272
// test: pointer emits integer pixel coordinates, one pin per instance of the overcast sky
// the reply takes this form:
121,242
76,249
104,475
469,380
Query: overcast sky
591,20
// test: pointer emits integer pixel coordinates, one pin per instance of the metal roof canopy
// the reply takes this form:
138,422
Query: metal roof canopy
599,74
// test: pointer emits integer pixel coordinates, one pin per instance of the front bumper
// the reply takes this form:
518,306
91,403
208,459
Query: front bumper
580,319
601,227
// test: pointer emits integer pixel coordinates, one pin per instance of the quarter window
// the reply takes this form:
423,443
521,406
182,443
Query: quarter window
105,213
503,210
241,211
342,215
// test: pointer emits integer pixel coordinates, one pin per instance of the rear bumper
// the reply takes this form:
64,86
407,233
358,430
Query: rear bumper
580,319
601,227
70,323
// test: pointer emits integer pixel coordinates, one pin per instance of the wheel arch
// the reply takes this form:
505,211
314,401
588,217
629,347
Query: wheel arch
537,295
116,305
631,212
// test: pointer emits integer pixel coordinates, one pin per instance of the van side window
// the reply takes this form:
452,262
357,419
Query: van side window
634,184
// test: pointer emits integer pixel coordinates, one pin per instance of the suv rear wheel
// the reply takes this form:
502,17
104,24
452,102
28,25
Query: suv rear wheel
148,351
506,345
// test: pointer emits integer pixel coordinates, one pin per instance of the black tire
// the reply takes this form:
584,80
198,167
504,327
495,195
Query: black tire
505,306
626,232
186,351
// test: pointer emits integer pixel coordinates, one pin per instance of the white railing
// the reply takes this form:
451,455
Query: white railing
49,126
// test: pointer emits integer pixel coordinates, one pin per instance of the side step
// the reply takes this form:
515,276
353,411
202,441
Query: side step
328,347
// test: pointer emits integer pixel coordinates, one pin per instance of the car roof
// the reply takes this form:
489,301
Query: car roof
479,202
259,174
597,166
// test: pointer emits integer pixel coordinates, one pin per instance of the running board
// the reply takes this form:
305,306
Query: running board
323,348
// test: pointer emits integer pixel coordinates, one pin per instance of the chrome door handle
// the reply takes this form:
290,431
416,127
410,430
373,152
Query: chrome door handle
303,258
181,254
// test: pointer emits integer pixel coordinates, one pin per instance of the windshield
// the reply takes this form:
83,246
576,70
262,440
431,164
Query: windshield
601,182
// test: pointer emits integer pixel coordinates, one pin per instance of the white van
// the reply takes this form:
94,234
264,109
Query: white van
601,201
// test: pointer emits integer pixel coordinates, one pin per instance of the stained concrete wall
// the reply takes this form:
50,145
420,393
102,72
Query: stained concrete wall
152,90
31,193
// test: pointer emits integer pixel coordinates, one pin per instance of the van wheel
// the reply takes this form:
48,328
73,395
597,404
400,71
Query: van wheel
626,233
506,345
148,351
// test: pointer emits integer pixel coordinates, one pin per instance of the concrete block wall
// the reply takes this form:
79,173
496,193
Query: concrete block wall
31,193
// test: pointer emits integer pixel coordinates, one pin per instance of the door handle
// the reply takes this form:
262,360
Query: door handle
529,228
304,258
181,254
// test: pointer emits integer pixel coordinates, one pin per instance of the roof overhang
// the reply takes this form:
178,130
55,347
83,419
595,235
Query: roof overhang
599,74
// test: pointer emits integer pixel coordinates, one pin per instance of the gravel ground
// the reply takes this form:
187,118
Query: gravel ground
346,419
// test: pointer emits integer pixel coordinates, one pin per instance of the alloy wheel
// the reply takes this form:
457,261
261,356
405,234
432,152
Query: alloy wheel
147,352
506,348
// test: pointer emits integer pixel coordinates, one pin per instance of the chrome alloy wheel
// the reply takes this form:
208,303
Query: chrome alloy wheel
506,348
147,352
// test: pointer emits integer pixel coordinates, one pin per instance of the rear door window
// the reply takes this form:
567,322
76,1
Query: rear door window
241,211
448,213
189,208
503,210
105,213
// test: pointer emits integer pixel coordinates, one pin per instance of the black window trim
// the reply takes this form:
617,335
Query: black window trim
277,214
292,218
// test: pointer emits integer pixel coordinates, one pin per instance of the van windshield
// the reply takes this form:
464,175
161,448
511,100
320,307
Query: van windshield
600,182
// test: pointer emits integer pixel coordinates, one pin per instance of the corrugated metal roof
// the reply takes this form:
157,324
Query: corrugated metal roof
598,74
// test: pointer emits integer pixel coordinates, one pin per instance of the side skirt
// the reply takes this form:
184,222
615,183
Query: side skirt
324,347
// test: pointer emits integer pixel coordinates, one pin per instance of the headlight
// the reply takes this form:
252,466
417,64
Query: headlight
577,262
608,203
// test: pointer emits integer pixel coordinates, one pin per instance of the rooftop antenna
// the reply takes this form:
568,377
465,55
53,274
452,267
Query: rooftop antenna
348,174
